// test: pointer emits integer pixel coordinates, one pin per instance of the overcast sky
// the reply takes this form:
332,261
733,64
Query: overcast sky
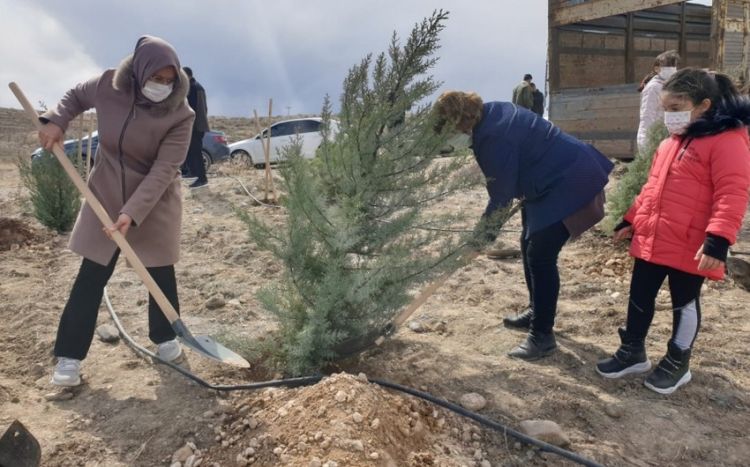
244,52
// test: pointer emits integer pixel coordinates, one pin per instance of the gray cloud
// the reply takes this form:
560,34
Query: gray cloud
244,52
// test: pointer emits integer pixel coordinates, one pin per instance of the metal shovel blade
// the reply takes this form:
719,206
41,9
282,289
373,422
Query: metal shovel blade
19,448
208,347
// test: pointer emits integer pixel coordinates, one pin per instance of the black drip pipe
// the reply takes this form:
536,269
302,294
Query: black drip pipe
310,380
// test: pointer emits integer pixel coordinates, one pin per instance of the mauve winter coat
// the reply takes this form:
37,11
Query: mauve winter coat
697,185
141,148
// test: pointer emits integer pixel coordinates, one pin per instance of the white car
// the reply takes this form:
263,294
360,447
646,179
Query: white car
250,151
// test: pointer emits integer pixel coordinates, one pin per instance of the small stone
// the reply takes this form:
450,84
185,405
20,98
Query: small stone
182,454
417,326
473,401
315,462
545,430
485,463
331,464
357,445
215,302
362,377
176,464
374,456
614,410
282,412
357,417
607,272
340,396
63,395
108,333
252,423
478,454
240,460
209,414
190,462
278,451
249,452
615,295
375,424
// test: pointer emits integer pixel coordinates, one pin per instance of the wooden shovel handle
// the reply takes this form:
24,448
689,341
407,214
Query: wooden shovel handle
428,291
101,213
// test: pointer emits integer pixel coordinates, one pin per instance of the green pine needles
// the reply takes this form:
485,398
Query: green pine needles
365,224
636,175
55,201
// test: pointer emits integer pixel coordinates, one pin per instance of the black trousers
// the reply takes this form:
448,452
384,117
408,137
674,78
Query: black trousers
539,253
684,288
194,159
78,321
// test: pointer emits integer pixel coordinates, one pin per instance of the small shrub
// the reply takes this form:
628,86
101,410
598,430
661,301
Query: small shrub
54,199
635,177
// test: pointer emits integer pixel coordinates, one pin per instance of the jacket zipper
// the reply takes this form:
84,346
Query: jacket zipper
684,148
131,114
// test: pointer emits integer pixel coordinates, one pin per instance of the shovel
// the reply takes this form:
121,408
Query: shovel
355,345
19,448
204,345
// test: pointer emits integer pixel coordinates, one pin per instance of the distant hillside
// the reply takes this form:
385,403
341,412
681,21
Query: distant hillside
17,135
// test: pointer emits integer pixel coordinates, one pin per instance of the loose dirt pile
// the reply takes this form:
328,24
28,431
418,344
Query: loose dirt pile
15,233
343,420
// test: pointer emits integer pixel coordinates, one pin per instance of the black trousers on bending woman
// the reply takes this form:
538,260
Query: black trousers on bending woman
539,253
78,320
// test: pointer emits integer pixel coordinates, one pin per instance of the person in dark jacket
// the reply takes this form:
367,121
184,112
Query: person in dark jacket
197,101
538,107
559,179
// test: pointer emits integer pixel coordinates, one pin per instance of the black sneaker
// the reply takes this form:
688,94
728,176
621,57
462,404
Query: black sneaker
536,346
630,358
198,184
519,321
672,371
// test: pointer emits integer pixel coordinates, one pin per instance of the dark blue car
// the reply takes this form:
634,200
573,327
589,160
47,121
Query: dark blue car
215,147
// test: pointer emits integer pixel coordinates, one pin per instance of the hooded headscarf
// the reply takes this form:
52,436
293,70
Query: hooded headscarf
151,55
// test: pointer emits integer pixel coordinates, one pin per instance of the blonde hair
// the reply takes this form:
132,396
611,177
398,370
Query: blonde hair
463,110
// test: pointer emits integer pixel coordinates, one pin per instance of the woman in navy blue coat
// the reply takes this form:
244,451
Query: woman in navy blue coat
559,179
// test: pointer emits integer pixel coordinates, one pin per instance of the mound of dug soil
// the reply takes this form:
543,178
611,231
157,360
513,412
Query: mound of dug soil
15,232
341,421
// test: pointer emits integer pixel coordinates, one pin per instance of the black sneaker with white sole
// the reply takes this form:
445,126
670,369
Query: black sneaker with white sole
672,371
198,184
629,359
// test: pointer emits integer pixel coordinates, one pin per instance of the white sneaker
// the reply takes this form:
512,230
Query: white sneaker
67,372
169,351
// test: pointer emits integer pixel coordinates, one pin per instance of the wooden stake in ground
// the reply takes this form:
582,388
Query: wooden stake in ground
269,174
265,142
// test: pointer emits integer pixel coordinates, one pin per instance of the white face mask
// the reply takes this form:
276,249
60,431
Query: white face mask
156,92
666,72
677,122
460,141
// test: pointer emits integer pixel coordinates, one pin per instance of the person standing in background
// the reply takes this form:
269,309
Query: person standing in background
538,107
652,111
197,100
522,94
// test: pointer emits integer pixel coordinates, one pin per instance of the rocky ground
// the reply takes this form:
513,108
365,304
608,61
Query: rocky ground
133,412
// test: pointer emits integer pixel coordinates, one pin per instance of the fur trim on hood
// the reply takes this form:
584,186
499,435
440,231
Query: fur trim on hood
124,79
727,115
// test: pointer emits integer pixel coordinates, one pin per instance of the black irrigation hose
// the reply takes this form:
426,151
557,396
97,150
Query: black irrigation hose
310,380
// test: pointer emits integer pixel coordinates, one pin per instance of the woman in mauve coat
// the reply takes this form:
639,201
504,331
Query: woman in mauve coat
144,126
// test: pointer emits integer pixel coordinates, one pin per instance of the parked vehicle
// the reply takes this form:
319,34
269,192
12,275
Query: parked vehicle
283,133
215,147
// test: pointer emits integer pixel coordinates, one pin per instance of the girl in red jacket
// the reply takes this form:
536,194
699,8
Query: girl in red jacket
684,219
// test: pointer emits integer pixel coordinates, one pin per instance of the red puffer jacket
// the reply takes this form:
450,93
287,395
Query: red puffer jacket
697,185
